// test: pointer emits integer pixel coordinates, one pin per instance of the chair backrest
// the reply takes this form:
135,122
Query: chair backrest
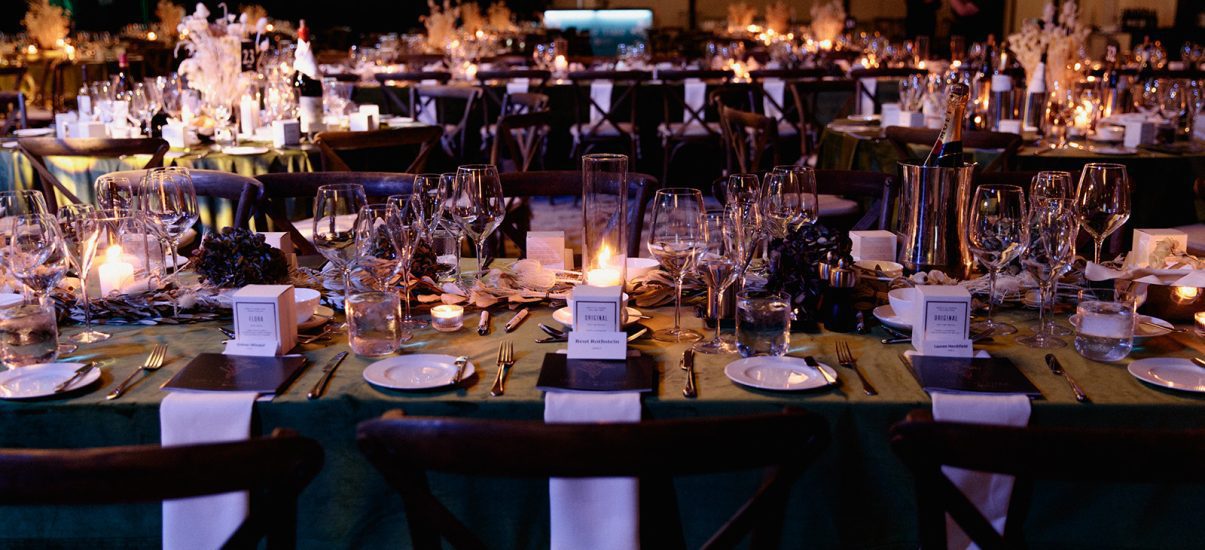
12,107
1031,453
523,102
677,113
520,139
404,449
493,86
621,111
641,188
37,149
858,75
1008,144
378,149
450,107
275,469
748,137
395,102
241,190
278,188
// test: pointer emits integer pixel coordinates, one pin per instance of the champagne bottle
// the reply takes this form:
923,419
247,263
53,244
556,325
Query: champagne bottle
947,151
122,86
1112,91
1035,98
306,83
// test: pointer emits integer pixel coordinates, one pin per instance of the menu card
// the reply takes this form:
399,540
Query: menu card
971,375
559,372
218,372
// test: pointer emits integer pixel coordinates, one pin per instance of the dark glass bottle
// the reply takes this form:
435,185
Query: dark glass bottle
123,78
947,151
306,83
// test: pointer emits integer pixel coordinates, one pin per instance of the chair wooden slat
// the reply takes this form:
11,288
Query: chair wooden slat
243,191
37,149
385,143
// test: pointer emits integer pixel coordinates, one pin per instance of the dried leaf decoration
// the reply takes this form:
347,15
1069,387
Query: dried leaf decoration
46,24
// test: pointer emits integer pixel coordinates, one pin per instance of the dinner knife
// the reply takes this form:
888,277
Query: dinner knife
1057,368
688,363
460,364
79,373
811,362
327,372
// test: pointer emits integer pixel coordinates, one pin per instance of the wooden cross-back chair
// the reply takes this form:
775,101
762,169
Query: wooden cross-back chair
404,449
683,123
274,469
16,73
385,149
280,188
12,107
493,88
748,139
443,102
242,191
795,118
1031,454
616,124
1008,144
520,141
862,91
393,100
37,149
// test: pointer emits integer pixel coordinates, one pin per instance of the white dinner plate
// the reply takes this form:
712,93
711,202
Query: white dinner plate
322,315
33,132
777,373
564,316
1142,331
1107,150
1176,373
415,372
887,316
864,118
245,150
40,380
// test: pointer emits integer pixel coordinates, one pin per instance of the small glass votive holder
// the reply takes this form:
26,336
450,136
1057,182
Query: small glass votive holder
1104,327
374,321
29,334
447,317
763,323
446,246
1199,317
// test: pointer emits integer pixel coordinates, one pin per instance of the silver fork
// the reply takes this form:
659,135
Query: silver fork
506,358
153,362
846,358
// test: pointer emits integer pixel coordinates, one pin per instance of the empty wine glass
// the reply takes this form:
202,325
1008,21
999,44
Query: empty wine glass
998,235
1053,226
477,205
377,252
408,234
427,198
170,202
35,254
1051,184
676,236
718,265
81,228
115,192
1102,201
17,203
336,208
1060,113
742,188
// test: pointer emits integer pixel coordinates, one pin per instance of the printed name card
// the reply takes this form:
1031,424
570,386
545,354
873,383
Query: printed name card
265,323
547,247
286,132
597,332
942,323
877,245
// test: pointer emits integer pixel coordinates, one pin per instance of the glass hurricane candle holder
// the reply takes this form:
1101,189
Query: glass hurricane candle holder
447,318
604,213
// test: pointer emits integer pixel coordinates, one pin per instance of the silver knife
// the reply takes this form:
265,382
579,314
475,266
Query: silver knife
327,372
688,363
1057,368
460,364
79,373
811,361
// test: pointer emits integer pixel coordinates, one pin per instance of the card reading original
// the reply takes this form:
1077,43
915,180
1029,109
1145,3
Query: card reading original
596,330
942,326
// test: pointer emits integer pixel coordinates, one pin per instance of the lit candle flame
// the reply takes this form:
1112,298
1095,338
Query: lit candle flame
113,254
1185,294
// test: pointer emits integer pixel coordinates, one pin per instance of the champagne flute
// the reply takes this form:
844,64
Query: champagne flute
1102,201
336,208
719,265
478,205
80,225
675,239
998,235
1053,227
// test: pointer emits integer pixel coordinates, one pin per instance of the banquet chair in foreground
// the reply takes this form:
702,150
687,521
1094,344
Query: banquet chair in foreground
243,192
37,149
390,149
1007,144
274,469
279,188
404,449
1097,456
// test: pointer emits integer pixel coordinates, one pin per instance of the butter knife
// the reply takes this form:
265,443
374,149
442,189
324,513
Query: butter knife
688,363
327,372
1057,368
79,373
811,362
460,364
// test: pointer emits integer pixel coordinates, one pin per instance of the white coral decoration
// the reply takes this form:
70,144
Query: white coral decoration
828,20
740,16
778,17
212,67
1059,33
500,18
46,24
170,15
440,24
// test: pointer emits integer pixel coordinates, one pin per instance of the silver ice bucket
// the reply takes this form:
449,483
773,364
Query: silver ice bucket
932,218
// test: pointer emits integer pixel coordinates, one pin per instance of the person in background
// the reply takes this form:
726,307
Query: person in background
977,19
922,18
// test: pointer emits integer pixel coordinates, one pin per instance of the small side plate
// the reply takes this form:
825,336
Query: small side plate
421,371
40,380
777,373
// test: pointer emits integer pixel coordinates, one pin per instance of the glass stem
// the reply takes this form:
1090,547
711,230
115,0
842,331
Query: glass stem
1043,290
678,306
346,272
1096,245
406,291
991,294
175,274
87,305
480,245
718,304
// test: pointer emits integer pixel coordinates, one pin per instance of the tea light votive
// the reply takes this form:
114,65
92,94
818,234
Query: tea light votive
1200,318
447,318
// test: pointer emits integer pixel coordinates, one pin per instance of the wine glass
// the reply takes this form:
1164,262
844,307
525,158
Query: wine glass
336,208
719,265
377,250
170,201
80,225
742,188
1060,113
17,203
1053,226
477,205
408,233
1102,201
800,181
115,192
998,235
1051,184
36,254
427,198
676,236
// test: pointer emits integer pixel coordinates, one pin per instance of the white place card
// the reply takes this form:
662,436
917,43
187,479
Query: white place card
282,241
909,119
286,132
597,332
891,113
1145,241
874,245
89,129
547,247
175,134
361,122
1139,133
942,321
265,323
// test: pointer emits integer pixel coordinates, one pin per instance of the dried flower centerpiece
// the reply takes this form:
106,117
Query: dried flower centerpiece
1059,36
441,25
46,24
213,66
778,17
235,258
740,17
828,20
170,16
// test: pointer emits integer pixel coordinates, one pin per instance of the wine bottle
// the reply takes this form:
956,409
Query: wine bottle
306,83
1035,98
1111,100
947,151
122,86
83,98
1001,106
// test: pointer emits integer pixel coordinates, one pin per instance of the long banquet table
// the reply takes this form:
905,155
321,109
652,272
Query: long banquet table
858,495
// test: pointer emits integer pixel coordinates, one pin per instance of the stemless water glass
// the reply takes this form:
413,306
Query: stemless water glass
1053,227
997,235
374,322
763,323
36,253
477,205
718,265
1104,325
1102,201
81,228
675,239
29,335
445,244
336,207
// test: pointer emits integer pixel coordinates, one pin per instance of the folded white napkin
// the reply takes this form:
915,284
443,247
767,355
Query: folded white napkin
517,86
773,89
694,94
600,92
595,513
866,99
989,493
187,418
